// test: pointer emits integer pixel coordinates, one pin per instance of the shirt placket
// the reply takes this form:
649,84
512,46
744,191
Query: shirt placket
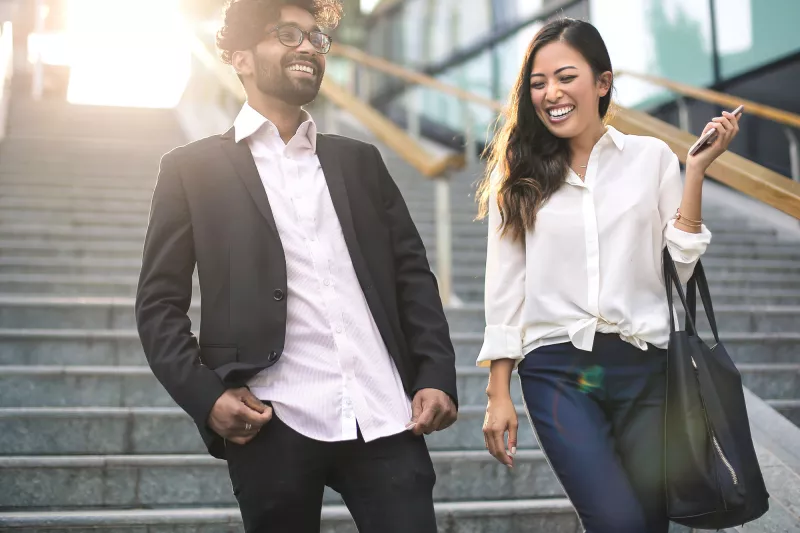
592,236
328,289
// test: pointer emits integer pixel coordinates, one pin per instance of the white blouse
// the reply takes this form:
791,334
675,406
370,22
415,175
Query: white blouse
593,261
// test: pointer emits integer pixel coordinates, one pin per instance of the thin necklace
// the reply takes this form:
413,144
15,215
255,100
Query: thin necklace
578,173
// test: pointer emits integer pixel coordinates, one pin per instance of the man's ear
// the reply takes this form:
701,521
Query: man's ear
242,62
604,83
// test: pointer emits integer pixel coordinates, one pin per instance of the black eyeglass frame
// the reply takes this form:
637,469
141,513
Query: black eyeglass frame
303,35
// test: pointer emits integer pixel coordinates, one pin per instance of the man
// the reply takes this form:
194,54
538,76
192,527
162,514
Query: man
317,297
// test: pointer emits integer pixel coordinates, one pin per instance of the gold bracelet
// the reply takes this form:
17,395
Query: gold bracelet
688,221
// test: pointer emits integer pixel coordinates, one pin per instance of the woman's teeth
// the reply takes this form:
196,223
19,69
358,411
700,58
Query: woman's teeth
560,113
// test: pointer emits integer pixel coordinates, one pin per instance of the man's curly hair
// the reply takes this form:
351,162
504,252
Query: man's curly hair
245,21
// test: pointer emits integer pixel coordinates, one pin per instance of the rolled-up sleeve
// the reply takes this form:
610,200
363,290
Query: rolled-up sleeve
505,293
685,248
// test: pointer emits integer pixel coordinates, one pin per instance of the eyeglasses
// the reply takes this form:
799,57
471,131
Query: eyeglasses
292,36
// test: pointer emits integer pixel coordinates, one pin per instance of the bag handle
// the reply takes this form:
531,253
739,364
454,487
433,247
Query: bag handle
698,281
671,278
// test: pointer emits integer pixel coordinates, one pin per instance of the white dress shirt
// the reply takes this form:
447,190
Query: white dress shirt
593,261
335,369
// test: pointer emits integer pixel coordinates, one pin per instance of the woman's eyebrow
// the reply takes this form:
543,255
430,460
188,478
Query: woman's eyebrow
556,72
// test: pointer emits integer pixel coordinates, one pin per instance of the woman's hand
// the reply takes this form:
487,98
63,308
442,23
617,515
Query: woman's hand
501,417
727,127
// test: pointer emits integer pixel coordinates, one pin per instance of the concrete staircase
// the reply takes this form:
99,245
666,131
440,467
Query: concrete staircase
90,441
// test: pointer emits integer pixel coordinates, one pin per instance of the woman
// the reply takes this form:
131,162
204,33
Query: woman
579,214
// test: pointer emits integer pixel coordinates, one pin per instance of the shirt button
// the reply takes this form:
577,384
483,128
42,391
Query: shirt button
273,356
327,282
278,295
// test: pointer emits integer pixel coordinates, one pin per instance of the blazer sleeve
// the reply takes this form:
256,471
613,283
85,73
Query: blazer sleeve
163,297
420,307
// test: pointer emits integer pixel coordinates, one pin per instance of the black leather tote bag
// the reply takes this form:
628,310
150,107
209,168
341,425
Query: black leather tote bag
713,480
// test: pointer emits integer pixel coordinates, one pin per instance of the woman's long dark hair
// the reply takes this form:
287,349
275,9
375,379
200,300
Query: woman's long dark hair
532,162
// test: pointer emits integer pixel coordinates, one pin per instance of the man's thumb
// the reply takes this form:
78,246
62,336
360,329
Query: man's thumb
416,408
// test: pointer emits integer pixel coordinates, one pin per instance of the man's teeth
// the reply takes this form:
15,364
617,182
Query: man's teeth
302,68
560,112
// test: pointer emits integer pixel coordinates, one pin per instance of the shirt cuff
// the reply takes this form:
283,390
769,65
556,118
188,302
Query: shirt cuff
501,342
685,247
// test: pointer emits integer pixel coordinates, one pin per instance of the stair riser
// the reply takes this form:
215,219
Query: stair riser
175,433
72,218
137,207
143,390
103,317
562,520
57,269
99,194
742,321
475,294
127,350
165,486
792,413
741,351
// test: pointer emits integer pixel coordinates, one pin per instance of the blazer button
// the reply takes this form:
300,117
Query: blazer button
272,357
278,295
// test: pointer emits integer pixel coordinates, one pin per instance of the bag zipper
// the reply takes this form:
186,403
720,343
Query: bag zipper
718,448
727,463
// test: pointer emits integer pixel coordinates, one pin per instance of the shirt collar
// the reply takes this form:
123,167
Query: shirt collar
617,136
249,121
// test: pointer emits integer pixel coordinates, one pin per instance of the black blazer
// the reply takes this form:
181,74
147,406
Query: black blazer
210,208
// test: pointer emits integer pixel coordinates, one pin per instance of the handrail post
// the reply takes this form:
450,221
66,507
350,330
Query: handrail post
363,83
794,153
470,155
413,110
329,111
37,83
444,240
684,122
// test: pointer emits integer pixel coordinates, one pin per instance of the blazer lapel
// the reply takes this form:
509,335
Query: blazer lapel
334,176
242,160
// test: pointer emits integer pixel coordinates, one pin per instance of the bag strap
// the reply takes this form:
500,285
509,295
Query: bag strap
698,280
671,278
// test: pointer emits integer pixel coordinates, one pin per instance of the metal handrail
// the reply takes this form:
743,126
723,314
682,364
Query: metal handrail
6,73
790,121
735,171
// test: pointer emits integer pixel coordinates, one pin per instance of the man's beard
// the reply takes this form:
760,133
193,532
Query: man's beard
273,80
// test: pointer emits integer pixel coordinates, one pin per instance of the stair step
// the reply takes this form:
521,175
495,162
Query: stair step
122,346
100,194
790,408
136,386
72,218
553,515
70,284
721,294
177,480
72,312
743,347
159,430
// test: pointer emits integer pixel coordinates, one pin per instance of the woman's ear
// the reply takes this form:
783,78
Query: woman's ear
604,83
242,62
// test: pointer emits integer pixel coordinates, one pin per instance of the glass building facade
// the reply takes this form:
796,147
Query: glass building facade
479,45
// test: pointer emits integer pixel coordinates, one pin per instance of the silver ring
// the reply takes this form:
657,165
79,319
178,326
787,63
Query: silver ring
248,426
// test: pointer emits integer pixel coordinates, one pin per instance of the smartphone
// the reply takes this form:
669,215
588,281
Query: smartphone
710,135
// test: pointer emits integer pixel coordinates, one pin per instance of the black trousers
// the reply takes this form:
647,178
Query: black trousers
279,477
599,418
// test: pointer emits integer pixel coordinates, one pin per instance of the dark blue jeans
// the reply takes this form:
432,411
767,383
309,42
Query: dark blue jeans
599,418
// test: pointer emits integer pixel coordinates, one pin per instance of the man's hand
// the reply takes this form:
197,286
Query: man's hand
238,416
432,410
